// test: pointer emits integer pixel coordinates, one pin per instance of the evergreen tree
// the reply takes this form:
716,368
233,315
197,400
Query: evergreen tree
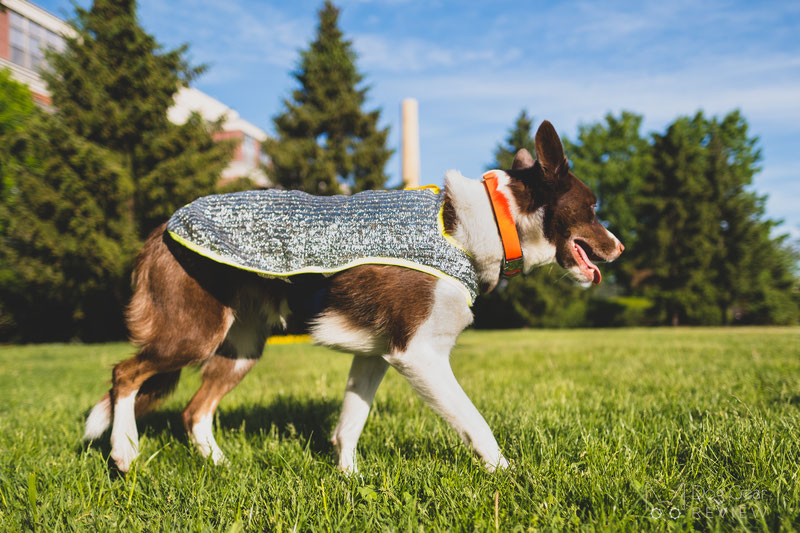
519,137
325,143
703,246
543,297
679,223
754,273
113,86
66,236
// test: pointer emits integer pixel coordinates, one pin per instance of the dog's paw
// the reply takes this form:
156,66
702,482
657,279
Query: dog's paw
218,458
123,452
348,463
500,463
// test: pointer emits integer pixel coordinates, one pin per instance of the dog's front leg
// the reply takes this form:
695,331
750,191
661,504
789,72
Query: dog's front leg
366,374
431,376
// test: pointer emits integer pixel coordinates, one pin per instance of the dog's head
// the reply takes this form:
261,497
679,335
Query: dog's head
559,210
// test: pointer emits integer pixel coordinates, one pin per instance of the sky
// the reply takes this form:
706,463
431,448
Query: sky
474,65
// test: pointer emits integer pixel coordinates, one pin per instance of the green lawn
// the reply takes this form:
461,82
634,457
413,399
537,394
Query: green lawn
639,429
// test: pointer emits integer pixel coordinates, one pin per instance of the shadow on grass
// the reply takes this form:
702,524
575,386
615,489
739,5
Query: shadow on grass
309,420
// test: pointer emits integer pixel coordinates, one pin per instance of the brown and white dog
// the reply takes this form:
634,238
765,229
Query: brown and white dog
187,309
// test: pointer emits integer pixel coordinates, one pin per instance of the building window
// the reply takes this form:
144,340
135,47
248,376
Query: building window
249,149
28,41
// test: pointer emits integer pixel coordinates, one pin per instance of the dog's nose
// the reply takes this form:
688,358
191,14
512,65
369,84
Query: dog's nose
620,248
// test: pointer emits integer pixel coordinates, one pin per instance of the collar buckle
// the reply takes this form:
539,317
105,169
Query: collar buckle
512,267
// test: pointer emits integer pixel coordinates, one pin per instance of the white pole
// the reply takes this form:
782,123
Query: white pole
410,142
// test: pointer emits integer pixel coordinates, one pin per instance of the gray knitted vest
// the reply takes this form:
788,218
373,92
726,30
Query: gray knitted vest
282,233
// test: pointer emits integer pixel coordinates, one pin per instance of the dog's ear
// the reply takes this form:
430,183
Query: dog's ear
523,159
550,153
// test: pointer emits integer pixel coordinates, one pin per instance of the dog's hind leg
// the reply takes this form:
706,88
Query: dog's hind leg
127,378
366,374
150,393
220,375
176,321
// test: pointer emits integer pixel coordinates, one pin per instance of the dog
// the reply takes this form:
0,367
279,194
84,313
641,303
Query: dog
189,309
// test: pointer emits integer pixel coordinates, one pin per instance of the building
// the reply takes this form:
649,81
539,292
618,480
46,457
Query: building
248,158
26,30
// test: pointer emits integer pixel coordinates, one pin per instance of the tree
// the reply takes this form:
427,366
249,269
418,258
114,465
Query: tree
679,226
66,235
113,86
543,297
324,141
755,275
16,104
702,239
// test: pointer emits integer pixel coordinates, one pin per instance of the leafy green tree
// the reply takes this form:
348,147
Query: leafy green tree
324,140
543,297
16,104
113,86
66,235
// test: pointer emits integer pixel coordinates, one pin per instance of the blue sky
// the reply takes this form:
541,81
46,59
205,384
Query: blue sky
474,65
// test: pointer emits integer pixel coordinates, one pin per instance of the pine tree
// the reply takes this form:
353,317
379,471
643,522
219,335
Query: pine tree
543,297
680,226
113,86
519,137
325,143
755,275
66,236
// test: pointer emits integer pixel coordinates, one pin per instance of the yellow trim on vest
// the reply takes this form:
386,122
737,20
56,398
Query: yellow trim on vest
434,188
447,236
321,270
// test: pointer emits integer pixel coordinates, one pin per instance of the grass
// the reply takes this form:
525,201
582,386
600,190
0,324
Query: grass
642,429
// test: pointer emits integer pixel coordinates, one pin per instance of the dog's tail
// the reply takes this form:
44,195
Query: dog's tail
144,315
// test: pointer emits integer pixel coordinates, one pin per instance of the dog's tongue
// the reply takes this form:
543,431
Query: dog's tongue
597,277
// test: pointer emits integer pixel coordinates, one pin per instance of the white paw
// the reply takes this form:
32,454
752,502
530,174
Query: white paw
500,463
210,449
203,438
347,462
124,435
123,451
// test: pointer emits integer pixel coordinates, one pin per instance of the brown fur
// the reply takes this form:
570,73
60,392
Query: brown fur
183,308
391,300
567,202
219,378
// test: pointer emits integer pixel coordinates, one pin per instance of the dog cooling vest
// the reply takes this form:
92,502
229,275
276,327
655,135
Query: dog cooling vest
284,233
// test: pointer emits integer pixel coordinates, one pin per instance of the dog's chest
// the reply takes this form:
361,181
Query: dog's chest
284,233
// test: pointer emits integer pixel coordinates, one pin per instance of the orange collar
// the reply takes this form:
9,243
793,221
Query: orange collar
512,262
